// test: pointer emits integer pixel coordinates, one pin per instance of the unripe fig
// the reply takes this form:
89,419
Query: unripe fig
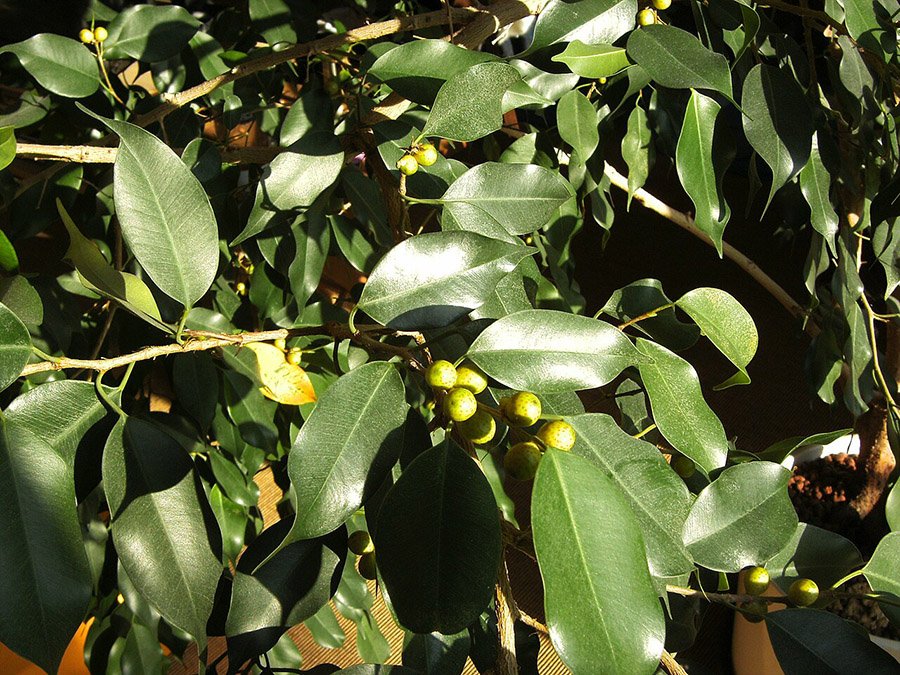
479,428
460,404
521,460
470,376
557,434
441,375
523,409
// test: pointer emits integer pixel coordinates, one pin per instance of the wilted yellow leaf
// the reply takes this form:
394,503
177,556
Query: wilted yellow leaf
282,381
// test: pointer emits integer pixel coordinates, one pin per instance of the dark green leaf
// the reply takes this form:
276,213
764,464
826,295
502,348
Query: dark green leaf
658,497
591,21
588,541
864,27
577,122
9,260
174,563
349,236
32,109
15,346
883,569
438,542
142,654
46,581
593,61
637,150
150,33
58,63
892,508
813,553
675,58
813,642
196,382
164,213
232,480
742,518
437,654
273,19
777,122
7,147
468,105
433,279
311,237
679,410
549,351
815,183
21,297
643,296
346,447
698,160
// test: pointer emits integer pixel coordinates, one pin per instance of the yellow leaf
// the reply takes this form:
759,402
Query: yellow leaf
282,381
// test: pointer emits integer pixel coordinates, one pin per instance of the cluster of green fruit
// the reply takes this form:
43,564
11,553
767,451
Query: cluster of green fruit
647,16
477,422
96,36
424,154
361,544
802,593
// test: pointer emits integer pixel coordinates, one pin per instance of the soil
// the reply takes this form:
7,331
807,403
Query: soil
821,492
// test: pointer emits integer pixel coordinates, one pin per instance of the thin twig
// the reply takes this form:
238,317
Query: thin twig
670,664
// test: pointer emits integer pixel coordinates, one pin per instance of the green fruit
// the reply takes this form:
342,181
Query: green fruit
661,5
557,434
646,17
295,357
86,35
756,580
803,592
360,542
407,165
460,404
683,466
479,428
522,459
100,34
426,154
523,409
367,567
755,611
469,376
441,375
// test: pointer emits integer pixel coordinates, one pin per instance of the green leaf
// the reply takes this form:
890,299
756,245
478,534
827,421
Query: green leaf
588,541
46,580
351,240
727,324
883,569
437,654
700,166
813,553
60,64
590,21
9,261
32,109
777,122
7,148
863,25
196,383
273,19
312,237
433,279
520,197
659,498
892,508
232,481
346,447
815,184
438,542
679,410
96,274
577,123
21,297
293,180
174,562
15,347
593,61
742,518
549,351
164,213
674,58
150,33
646,295
637,150
417,70
813,642
469,104
60,413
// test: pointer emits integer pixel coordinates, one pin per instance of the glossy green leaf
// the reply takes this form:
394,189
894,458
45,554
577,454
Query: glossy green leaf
174,563
883,569
674,58
196,382
892,508
9,260
293,180
637,150
813,553
433,279
165,215
646,295
232,522
815,184
325,629
588,541
469,104
416,70
21,297
437,654
346,447
273,19
150,33
60,64
60,413
352,242
679,410
438,542
312,237
33,107
46,580
590,21
7,147
813,642
593,61
742,518
96,274
577,123
700,169
520,197
862,19
659,498
727,324
229,477
252,413
15,346
777,122
313,111
142,653
548,351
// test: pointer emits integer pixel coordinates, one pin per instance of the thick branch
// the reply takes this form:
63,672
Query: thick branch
505,607
89,154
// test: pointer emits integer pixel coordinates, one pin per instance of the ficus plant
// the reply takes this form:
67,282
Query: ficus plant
332,243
